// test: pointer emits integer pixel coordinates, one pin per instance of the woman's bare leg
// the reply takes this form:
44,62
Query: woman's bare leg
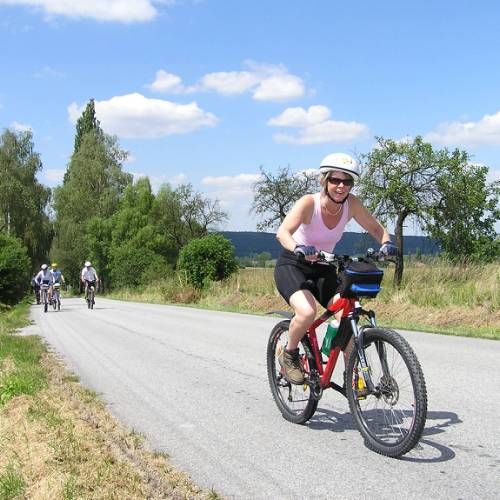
304,307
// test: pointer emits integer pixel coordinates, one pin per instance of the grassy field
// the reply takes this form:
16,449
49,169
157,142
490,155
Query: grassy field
435,296
58,441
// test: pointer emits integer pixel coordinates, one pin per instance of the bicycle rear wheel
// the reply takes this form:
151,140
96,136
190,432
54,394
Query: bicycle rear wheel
295,402
393,418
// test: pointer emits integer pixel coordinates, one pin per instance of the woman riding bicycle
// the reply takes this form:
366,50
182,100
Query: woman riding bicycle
316,222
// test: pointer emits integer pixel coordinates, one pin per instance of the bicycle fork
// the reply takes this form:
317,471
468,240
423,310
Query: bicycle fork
363,382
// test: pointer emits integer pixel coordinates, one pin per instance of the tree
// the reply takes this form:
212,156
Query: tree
182,214
463,220
91,192
23,200
87,122
14,270
207,259
262,258
399,181
274,195
138,252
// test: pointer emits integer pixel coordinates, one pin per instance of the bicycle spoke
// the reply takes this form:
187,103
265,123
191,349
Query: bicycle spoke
295,402
389,415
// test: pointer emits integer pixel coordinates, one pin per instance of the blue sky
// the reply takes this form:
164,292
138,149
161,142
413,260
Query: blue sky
206,91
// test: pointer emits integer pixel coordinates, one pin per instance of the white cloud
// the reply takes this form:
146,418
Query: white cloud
238,182
300,117
166,82
136,116
484,131
229,82
315,127
177,180
124,11
265,82
21,127
235,196
280,87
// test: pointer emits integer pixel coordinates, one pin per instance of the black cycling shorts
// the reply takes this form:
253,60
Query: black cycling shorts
292,274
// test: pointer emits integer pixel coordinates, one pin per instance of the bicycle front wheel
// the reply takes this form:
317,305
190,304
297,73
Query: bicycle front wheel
392,418
295,402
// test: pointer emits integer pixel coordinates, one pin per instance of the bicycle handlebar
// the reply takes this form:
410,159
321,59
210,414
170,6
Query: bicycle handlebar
332,258
343,259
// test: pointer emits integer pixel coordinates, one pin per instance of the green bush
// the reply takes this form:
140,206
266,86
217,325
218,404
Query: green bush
14,270
207,259
132,266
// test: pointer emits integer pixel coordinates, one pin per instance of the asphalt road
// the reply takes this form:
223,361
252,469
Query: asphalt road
194,383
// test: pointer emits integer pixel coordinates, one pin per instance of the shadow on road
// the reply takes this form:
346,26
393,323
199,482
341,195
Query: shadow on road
427,450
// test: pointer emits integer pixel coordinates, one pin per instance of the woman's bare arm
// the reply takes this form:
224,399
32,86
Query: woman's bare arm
367,221
300,213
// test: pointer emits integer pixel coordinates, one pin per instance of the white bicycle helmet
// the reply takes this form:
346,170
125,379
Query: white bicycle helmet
341,162
87,264
43,267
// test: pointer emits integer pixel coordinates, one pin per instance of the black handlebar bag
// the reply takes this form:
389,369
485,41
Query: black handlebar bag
360,279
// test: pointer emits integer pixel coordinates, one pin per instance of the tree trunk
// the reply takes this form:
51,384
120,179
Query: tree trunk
398,272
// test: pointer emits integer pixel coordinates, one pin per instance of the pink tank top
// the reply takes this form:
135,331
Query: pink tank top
316,233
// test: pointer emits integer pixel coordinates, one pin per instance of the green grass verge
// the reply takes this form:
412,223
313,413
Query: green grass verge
20,371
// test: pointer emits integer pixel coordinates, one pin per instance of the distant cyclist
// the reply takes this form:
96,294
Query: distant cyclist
57,274
44,277
89,277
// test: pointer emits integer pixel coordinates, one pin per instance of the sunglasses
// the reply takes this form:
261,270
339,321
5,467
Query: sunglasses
337,180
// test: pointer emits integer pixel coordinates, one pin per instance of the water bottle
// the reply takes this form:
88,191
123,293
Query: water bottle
331,331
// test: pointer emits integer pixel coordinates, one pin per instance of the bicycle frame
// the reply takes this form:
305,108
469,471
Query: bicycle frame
351,309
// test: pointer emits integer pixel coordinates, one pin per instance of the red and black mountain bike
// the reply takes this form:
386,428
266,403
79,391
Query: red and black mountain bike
383,380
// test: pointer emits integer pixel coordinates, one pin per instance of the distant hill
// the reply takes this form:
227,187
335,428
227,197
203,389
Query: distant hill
249,243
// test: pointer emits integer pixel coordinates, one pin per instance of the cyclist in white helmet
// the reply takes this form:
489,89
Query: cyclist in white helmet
316,222
88,277
44,277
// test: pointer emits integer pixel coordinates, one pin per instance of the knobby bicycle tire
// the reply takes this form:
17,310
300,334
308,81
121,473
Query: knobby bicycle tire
391,421
295,402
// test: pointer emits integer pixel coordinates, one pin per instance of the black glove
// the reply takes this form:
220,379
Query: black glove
305,250
388,249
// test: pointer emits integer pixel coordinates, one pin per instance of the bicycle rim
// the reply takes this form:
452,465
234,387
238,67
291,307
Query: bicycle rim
392,419
295,402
